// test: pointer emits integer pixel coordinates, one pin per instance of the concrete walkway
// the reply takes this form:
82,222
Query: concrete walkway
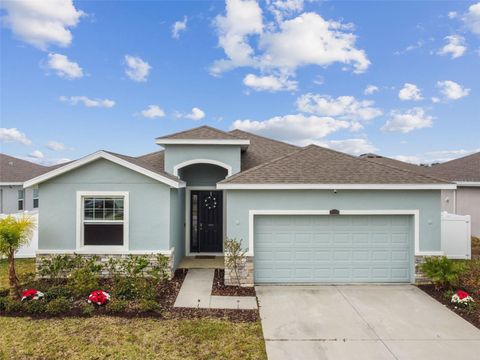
391,322
196,292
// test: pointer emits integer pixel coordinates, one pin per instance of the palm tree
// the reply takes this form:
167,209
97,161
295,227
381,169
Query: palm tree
14,233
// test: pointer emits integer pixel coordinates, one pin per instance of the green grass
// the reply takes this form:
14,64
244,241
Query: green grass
118,338
22,266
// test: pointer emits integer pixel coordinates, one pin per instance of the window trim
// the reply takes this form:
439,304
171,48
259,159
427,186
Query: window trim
79,231
21,200
35,198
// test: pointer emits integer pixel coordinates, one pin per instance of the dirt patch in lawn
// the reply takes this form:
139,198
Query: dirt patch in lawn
219,288
472,317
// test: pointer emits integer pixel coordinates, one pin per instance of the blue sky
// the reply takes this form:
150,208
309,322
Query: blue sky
82,76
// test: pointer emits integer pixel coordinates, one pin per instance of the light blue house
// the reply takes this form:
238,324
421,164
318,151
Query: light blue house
305,215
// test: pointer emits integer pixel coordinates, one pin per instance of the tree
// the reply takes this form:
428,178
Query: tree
14,233
234,255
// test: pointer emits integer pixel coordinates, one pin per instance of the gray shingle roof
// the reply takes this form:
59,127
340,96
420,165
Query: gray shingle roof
14,170
463,169
201,133
317,165
261,149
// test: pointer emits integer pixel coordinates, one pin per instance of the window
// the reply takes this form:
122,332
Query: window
103,220
35,198
21,195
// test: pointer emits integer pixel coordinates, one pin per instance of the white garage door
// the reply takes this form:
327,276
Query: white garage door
332,249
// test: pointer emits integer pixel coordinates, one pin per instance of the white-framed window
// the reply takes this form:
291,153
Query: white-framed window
21,197
35,198
102,220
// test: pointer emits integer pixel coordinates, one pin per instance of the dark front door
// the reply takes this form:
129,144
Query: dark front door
206,228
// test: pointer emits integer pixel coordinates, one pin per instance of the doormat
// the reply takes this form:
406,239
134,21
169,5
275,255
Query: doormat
204,257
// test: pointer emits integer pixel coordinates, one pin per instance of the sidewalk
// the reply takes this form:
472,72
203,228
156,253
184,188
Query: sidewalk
196,292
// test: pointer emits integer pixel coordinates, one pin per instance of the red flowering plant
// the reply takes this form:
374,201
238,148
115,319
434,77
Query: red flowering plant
98,297
31,294
462,298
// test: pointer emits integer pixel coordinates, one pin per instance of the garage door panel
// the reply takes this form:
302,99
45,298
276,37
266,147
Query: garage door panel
332,249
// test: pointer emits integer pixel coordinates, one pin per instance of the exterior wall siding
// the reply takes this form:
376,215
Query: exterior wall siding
202,174
149,206
177,224
468,203
228,154
9,199
239,202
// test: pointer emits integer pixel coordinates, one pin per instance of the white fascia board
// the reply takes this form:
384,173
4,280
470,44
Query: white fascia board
241,142
228,186
102,155
11,183
467,183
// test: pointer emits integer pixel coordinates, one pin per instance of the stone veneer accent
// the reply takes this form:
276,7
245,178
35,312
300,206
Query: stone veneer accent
245,272
104,258
420,277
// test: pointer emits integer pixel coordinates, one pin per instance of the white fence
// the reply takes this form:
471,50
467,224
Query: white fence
456,236
29,250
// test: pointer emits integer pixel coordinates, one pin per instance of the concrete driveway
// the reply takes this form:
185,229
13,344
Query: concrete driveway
362,322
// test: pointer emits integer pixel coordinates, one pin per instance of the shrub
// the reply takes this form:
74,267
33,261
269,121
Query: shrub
57,306
88,309
58,291
443,272
126,288
145,305
58,266
470,277
3,303
34,307
159,271
83,281
117,306
234,256
12,306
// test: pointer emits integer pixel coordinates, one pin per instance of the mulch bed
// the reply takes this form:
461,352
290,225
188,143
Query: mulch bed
166,298
472,317
219,287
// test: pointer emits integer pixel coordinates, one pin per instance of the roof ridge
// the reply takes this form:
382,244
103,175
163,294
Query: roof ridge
263,164
193,129
405,170
266,138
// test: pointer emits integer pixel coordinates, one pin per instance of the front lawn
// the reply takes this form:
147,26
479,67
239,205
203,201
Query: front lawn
118,338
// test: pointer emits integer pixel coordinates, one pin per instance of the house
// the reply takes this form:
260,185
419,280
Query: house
465,199
304,215
13,172
465,172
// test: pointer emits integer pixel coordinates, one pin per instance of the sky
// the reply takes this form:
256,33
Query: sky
396,78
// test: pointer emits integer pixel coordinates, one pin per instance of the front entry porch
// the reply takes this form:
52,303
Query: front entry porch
202,262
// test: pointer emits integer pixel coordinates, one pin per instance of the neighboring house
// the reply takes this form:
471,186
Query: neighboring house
465,199
465,172
305,215
13,172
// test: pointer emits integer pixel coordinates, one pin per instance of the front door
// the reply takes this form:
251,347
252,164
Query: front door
206,227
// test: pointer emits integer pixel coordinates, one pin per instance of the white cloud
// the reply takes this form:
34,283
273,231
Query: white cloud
410,92
284,8
451,90
37,154
370,89
452,14
196,114
297,128
431,157
153,111
409,120
418,45
41,23
435,99
178,27
352,146
8,135
307,39
74,100
137,69
269,83
472,18
56,146
455,46
408,158
64,67
344,107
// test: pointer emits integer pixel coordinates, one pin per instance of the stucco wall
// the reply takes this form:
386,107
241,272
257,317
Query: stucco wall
9,199
149,206
177,223
239,202
228,154
448,201
202,174
468,203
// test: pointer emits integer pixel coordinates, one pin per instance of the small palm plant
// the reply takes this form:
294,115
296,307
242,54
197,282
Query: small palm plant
14,233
